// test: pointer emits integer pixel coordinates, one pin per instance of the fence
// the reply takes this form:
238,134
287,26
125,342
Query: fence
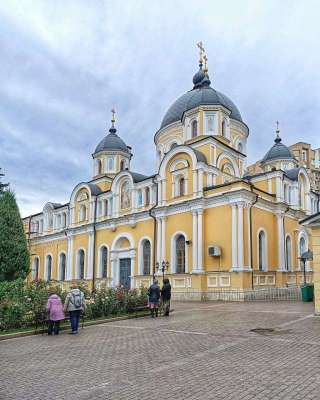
291,293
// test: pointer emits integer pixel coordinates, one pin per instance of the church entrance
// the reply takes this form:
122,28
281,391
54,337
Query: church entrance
125,271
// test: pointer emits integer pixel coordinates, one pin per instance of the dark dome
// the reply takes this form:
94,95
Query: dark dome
201,94
278,152
112,142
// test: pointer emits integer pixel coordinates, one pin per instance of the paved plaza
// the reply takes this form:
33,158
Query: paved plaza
202,351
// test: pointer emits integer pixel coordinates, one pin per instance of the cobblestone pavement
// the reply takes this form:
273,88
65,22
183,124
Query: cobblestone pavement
202,351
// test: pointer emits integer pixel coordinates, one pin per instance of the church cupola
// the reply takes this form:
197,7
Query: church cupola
111,155
279,156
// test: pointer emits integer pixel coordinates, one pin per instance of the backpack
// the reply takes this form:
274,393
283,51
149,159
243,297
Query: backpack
77,300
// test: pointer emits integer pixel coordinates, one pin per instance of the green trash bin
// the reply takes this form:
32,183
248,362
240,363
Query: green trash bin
307,293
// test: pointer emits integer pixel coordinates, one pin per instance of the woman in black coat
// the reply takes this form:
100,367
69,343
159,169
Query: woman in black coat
154,296
166,296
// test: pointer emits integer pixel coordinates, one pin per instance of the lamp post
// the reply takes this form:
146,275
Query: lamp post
164,267
306,256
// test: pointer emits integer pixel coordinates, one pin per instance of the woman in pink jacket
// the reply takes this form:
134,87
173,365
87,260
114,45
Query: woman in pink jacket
55,313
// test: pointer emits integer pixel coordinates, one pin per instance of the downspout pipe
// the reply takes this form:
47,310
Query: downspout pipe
155,239
94,247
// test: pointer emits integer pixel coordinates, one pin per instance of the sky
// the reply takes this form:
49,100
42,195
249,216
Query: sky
65,64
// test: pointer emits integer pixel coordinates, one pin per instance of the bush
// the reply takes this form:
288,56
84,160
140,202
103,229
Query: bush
22,304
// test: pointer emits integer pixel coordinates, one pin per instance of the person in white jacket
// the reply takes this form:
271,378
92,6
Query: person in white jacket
74,304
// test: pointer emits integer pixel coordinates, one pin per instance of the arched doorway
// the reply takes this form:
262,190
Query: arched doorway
122,257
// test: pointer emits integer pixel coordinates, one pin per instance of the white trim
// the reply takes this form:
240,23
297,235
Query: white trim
46,266
265,261
59,265
173,252
140,255
77,263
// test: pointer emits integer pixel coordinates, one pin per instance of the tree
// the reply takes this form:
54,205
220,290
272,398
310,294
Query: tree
14,254
2,185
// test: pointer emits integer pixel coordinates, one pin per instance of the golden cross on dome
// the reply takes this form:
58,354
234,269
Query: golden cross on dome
277,130
113,120
205,63
201,50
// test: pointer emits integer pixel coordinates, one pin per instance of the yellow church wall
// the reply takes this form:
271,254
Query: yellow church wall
262,185
53,248
179,223
316,266
214,219
267,221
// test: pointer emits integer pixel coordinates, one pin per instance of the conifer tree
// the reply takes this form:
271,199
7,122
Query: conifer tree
14,254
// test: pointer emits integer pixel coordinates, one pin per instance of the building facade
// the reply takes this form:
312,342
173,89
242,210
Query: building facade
211,224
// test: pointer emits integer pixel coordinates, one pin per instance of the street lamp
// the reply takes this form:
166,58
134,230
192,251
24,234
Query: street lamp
306,256
164,267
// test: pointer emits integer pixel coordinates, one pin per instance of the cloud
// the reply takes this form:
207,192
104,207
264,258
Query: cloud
65,64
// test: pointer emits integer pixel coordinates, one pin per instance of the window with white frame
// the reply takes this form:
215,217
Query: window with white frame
35,269
262,251
80,262
180,254
210,123
103,262
48,267
62,267
288,253
146,257
110,163
139,198
82,213
179,186
194,128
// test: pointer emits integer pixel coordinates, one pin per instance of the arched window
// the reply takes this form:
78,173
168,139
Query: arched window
147,194
106,208
122,165
64,220
194,128
181,186
146,256
48,267
224,128
139,198
58,221
41,226
262,251
240,147
110,163
35,269
99,166
80,264
288,254
83,213
103,261
62,267
125,196
302,248
180,254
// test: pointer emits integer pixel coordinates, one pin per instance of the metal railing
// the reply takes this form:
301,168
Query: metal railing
291,293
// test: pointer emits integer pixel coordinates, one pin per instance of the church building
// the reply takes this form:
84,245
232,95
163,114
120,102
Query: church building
201,218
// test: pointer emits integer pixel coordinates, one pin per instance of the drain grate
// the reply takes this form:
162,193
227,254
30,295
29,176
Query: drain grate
270,331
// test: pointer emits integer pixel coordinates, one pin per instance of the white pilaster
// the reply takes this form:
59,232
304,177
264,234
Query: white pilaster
194,241
200,182
195,183
163,190
163,239
234,237
249,237
200,240
281,255
240,236
89,270
69,274
159,240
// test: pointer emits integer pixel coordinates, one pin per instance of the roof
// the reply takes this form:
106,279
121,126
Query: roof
201,94
200,156
95,190
112,142
278,151
293,173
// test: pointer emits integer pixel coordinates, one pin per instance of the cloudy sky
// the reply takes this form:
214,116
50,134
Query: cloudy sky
65,64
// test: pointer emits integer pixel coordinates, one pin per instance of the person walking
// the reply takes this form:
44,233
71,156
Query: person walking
166,297
154,296
74,304
55,312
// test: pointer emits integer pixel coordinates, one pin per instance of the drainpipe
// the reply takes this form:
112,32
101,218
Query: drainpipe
251,235
154,231
94,247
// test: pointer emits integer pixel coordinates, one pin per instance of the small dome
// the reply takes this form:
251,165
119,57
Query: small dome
112,142
198,77
278,152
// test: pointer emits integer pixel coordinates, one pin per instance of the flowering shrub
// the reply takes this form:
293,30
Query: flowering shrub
22,304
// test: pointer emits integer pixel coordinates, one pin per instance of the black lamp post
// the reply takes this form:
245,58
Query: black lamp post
164,267
306,256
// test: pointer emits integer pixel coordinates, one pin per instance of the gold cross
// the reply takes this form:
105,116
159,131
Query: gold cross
201,49
205,62
277,122
113,120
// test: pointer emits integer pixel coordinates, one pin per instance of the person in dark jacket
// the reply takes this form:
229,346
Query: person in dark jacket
154,296
166,296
